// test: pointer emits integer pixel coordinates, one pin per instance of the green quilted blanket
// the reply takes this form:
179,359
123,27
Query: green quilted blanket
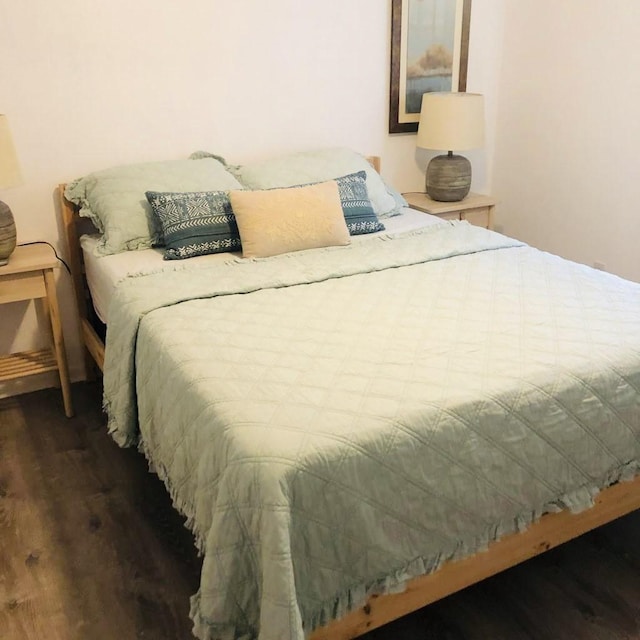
335,422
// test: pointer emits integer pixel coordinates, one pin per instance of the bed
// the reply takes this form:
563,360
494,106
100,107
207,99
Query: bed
356,430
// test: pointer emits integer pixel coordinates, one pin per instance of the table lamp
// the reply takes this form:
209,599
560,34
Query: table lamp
450,121
9,177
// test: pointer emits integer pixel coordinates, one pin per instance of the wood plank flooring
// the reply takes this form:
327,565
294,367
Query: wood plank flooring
91,549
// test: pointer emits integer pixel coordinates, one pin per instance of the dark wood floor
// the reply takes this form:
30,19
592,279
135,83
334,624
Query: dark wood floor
90,549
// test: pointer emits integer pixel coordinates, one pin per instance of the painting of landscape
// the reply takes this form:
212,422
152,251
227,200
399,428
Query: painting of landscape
429,52
430,49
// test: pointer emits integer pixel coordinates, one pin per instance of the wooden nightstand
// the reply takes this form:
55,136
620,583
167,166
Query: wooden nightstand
29,276
475,208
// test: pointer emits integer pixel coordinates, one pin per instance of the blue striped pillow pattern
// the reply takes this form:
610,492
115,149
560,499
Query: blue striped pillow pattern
195,223
356,206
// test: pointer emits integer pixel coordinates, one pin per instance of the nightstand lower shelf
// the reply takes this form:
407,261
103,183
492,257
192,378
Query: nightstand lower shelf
27,363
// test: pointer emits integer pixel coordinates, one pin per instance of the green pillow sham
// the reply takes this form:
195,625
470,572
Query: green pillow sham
115,199
318,165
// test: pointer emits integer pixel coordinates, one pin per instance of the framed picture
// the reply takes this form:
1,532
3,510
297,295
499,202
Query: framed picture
429,52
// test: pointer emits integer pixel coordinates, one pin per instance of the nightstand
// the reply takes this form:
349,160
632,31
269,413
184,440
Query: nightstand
475,208
29,276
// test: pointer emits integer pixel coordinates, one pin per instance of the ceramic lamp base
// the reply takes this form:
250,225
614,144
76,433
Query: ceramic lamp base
7,233
448,178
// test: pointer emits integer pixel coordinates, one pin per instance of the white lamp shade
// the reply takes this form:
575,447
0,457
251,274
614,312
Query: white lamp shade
451,121
9,167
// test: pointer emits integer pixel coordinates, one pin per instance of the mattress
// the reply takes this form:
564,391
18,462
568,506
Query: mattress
104,272
336,422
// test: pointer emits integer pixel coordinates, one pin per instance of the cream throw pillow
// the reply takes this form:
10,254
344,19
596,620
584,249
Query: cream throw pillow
277,221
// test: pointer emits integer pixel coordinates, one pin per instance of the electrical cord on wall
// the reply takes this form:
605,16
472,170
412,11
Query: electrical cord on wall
66,266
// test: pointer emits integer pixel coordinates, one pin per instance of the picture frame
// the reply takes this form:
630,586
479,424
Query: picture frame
429,52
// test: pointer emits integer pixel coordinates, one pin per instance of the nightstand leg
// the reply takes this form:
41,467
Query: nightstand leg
58,341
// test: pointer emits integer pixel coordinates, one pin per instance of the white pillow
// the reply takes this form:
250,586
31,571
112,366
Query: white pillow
278,221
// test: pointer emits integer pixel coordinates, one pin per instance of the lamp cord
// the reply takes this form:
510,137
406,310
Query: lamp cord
66,266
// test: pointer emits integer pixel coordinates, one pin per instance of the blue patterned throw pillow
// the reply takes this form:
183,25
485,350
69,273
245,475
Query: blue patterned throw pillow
356,206
194,224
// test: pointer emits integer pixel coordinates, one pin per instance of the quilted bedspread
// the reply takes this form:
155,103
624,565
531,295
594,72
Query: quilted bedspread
335,422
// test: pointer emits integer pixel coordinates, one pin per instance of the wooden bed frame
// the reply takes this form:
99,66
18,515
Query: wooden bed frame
550,531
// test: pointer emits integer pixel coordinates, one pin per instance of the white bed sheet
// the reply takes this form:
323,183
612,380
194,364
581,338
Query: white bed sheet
104,272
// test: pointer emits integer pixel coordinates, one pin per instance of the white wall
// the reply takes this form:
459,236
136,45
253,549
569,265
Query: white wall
566,165
87,85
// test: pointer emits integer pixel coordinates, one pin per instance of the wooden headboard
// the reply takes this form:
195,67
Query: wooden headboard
91,329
